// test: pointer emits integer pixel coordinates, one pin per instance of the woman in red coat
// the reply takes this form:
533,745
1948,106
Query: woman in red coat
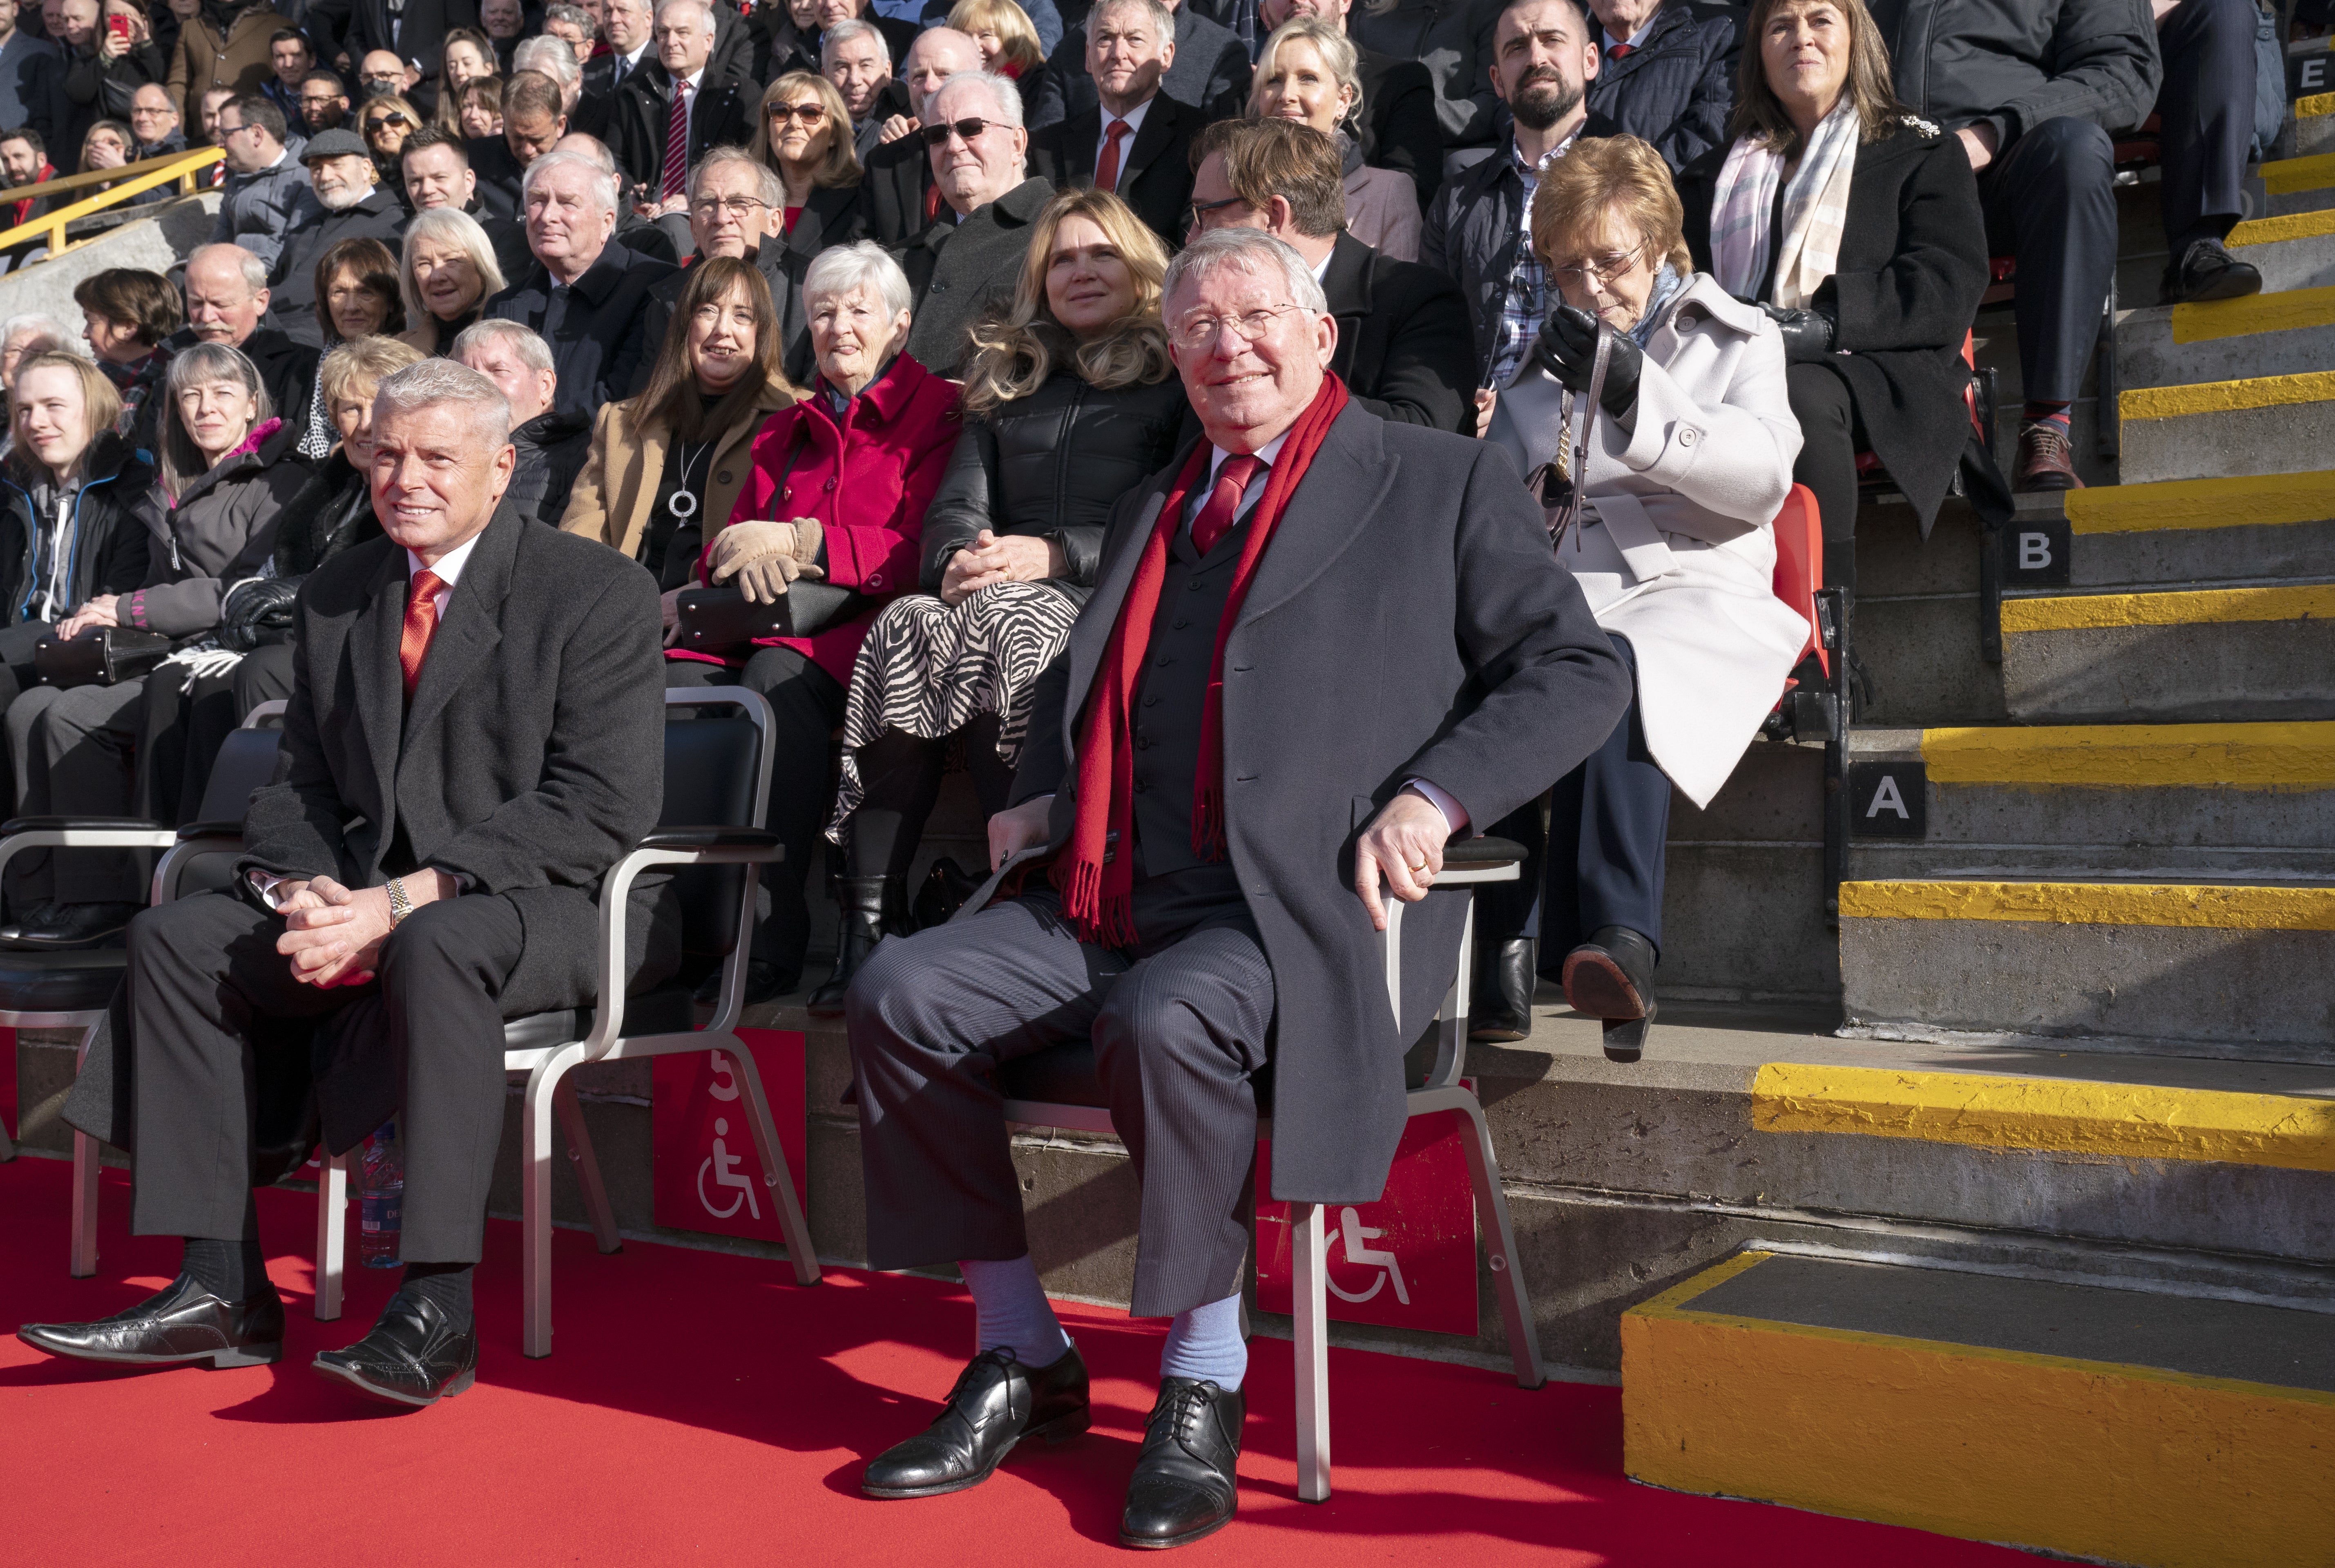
837,496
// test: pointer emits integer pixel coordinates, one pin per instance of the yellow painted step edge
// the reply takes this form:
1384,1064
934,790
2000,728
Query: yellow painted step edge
2289,175
2210,606
2314,106
2196,905
2224,503
2280,756
2223,397
2273,230
2119,1120
2096,1460
2289,309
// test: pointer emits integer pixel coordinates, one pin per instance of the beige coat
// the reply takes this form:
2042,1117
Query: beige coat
612,498
203,60
1678,553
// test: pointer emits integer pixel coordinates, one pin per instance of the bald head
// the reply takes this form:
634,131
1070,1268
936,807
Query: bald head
937,54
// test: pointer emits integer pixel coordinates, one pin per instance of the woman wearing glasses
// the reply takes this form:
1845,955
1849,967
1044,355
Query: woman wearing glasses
1687,457
804,136
385,122
1069,402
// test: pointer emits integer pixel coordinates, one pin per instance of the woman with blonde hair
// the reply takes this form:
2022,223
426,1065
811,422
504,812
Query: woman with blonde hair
1070,401
1008,42
1651,418
445,277
804,137
1309,72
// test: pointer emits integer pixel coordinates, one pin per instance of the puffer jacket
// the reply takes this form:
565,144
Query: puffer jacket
1051,466
105,551
2015,63
1676,89
221,531
222,47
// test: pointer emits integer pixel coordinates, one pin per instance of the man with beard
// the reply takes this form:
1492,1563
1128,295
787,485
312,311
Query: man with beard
1480,228
348,204
323,103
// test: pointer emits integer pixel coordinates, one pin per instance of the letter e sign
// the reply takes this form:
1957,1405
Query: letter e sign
1888,799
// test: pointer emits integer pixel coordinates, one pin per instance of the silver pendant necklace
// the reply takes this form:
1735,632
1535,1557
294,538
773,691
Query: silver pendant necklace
682,503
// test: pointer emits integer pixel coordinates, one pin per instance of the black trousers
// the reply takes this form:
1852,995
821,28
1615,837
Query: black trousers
184,730
807,707
1608,822
1179,1024
2206,105
1831,435
2051,201
204,970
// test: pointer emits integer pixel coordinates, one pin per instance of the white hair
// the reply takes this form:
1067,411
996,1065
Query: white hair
766,184
441,380
844,32
549,56
452,225
575,16
699,5
523,341
59,335
1249,250
254,270
845,268
1002,94
602,181
1162,20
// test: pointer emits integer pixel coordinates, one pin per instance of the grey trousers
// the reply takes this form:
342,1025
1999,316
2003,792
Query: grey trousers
204,968
1179,1023
72,756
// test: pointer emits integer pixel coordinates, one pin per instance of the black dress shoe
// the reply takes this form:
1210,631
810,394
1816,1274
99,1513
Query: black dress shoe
32,919
871,912
64,926
997,1402
183,1323
2206,270
414,1355
1611,976
1501,1005
1185,1484
764,983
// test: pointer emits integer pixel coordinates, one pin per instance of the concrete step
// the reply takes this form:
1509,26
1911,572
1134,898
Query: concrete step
2103,1424
2258,652
2276,424
2314,124
2205,967
2242,801
2299,184
2185,533
2297,252
2262,335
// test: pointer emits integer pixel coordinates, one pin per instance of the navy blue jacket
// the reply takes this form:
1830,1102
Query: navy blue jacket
598,346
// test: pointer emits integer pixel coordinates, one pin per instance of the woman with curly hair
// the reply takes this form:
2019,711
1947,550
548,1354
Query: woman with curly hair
1070,401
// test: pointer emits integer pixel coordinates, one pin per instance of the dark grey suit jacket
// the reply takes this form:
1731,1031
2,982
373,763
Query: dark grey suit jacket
957,270
1407,621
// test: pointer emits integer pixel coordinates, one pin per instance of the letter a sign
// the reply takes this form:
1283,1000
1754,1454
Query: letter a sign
1888,799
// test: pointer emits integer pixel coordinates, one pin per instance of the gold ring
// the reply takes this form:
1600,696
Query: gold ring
1420,866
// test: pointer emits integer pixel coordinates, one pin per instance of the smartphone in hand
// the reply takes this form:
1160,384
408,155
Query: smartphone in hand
118,25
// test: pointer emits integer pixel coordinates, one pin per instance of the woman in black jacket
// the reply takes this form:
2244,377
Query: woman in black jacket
1070,401
1858,227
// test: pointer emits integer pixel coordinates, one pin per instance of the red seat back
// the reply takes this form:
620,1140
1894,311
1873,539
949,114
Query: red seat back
1800,565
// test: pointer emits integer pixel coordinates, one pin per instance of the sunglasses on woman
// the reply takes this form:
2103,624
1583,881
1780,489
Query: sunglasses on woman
811,115
377,123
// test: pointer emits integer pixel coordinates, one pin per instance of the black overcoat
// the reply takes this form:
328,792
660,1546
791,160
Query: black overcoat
1913,267
1407,621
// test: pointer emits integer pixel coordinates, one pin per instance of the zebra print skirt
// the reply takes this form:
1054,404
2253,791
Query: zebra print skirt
928,668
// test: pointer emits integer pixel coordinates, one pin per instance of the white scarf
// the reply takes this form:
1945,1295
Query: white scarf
1815,211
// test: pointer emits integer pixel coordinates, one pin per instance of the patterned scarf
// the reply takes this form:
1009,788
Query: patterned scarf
1096,872
1815,211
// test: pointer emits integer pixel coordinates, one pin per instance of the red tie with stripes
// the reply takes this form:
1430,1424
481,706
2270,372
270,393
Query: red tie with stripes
676,143
1107,166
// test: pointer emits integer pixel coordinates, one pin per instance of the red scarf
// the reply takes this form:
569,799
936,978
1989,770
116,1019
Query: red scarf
1095,879
25,207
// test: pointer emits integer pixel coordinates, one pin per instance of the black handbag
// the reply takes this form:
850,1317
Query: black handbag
100,657
716,620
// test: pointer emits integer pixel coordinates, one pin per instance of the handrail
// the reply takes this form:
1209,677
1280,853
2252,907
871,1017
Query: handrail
134,180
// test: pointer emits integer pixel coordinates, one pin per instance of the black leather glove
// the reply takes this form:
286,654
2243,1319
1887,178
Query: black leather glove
1807,333
1567,349
257,613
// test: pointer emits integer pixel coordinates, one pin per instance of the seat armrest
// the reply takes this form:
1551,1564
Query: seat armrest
78,824
220,829
1482,852
708,838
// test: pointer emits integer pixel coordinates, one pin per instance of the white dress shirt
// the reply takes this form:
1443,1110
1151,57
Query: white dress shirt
1134,119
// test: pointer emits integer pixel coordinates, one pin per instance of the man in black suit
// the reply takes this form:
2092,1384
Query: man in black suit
1403,348
1136,141
475,737
437,169
971,255
1210,72
533,122
650,124
413,30
585,294
628,28
1205,828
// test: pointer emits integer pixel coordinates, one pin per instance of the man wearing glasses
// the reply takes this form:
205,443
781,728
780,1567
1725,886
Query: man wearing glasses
267,186
733,199
971,253
1200,830
671,110
323,103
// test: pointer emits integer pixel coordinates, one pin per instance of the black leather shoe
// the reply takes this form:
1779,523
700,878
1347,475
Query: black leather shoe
413,1355
183,1323
1501,1005
871,911
997,1402
38,915
763,983
1185,1484
64,926
1612,974
2206,270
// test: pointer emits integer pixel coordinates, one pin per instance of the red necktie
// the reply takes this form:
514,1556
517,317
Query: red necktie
931,202
676,143
1107,166
1619,50
1216,519
420,620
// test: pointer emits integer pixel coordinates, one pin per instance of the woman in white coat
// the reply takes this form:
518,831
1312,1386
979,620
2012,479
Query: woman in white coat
1690,442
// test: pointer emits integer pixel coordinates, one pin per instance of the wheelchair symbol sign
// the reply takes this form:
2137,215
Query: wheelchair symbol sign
726,1174
1352,1234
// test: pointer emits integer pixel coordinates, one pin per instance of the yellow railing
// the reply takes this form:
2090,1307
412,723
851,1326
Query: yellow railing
134,180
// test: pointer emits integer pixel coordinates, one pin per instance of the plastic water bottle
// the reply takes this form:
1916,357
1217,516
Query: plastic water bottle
381,1196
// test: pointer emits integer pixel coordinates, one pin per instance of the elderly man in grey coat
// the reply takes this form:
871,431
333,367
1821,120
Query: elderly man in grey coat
1320,643
475,738
971,254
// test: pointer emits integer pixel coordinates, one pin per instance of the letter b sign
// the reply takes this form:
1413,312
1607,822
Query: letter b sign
2035,553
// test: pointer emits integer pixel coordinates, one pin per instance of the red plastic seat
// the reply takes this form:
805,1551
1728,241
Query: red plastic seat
1799,567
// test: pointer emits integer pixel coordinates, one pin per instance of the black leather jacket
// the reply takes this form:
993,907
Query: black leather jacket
1051,466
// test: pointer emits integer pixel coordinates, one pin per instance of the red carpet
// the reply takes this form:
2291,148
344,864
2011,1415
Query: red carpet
702,1408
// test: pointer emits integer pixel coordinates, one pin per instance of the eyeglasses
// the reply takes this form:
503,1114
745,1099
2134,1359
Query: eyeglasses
938,135
741,208
815,114
378,122
1199,209
1199,330
1599,270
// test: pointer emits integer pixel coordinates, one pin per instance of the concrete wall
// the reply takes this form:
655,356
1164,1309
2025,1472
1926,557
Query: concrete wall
157,243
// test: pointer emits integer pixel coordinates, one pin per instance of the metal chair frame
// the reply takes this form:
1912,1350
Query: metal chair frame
1442,1091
